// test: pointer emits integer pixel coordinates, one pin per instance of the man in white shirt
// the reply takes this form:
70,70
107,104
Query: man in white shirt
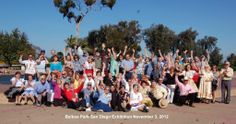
227,75
30,66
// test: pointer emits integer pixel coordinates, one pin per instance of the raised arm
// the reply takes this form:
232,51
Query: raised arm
125,50
113,52
159,52
20,60
133,55
145,52
64,56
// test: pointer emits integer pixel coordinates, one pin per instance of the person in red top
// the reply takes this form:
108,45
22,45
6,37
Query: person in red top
71,95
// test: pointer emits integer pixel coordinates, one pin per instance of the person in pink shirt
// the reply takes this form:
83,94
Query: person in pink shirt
186,92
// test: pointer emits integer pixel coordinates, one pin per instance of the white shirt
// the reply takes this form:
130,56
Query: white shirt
89,81
135,98
41,66
30,66
29,85
18,82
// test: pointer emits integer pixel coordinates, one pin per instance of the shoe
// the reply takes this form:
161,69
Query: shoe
88,110
18,104
226,102
100,110
38,105
145,109
193,106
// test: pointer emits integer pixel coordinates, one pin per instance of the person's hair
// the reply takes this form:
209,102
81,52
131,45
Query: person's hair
17,73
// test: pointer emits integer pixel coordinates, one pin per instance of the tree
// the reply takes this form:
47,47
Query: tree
117,36
72,41
232,59
159,37
207,43
186,40
216,57
14,44
78,9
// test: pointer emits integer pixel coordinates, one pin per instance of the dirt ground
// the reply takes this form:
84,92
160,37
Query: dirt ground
217,113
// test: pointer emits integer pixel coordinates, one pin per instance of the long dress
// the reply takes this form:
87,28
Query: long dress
205,88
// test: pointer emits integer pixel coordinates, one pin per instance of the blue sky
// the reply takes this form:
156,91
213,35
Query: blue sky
46,28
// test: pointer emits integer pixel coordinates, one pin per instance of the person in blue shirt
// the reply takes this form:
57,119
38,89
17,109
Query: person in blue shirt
104,99
42,90
56,65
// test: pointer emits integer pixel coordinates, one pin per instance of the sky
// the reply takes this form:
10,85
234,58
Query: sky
46,28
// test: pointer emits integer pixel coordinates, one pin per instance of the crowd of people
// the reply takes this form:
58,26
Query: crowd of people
110,81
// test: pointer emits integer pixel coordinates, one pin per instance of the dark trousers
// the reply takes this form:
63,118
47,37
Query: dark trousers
128,75
190,97
225,86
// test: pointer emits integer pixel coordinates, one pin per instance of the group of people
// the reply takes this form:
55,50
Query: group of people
110,81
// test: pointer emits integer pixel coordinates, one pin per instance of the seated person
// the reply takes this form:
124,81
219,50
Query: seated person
104,99
144,90
71,95
29,92
114,97
88,93
42,89
136,99
157,92
187,93
17,87
57,97
123,100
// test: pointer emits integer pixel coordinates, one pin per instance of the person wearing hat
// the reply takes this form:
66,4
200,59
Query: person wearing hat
144,90
88,96
187,93
158,94
227,75
89,79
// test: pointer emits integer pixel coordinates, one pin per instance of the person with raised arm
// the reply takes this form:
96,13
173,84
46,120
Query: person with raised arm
187,93
42,61
114,68
68,58
30,66
103,103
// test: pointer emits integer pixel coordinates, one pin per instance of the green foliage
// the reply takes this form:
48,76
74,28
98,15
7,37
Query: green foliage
159,37
232,59
77,9
216,57
14,44
163,38
117,36
186,40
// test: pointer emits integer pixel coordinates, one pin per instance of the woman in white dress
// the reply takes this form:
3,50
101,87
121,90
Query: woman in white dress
205,88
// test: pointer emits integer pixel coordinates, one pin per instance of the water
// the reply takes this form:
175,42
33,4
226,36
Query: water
5,79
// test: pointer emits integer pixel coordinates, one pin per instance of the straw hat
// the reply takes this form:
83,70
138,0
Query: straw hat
163,103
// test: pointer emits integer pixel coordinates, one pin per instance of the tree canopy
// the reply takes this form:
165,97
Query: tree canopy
14,44
117,36
163,38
